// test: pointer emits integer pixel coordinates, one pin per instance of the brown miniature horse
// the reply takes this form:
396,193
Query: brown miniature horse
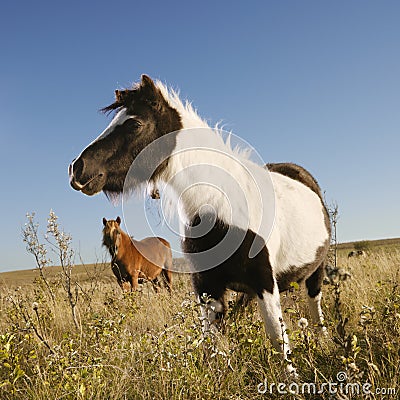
135,260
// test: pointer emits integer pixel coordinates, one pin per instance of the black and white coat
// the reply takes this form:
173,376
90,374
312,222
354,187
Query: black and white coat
274,214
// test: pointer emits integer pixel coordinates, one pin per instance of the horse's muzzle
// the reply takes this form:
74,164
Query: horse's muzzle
81,181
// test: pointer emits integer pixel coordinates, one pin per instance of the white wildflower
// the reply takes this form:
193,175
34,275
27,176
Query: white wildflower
186,303
302,323
353,367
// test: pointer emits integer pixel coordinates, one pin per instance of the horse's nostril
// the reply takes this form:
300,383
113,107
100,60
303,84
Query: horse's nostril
77,168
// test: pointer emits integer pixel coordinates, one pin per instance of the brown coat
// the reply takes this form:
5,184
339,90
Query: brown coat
134,260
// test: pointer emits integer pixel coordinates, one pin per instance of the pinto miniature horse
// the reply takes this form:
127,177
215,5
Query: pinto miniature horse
265,226
135,260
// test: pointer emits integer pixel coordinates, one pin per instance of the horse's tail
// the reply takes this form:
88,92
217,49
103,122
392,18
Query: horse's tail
167,270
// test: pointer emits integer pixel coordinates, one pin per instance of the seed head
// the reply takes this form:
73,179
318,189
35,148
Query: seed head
302,323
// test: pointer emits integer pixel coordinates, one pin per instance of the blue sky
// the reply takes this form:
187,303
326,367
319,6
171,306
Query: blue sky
316,83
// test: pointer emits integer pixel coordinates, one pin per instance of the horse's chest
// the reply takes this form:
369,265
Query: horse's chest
120,271
222,254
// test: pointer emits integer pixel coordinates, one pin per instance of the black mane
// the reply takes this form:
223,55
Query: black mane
145,93
123,98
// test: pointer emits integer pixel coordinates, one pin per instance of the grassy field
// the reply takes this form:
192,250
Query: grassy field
80,273
379,244
150,346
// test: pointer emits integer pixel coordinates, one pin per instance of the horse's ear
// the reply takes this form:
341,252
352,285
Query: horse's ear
104,221
118,220
152,95
147,82
121,96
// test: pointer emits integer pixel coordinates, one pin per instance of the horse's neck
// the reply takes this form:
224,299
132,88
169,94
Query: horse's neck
123,245
198,154
205,171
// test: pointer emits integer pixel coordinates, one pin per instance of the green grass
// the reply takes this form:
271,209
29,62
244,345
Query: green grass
150,346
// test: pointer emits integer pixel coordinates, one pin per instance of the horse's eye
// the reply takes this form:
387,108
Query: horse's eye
132,123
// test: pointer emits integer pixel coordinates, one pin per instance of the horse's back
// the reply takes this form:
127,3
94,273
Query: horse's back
297,173
152,242
301,232
154,250
164,242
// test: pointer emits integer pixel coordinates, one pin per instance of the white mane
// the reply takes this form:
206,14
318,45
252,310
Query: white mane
189,116
191,119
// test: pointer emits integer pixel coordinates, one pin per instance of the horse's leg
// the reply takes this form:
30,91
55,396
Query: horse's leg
125,286
210,294
117,273
166,271
134,280
120,284
212,312
313,284
271,312
156,284
167,277
243,300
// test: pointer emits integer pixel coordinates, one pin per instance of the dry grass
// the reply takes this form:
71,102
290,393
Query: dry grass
150,346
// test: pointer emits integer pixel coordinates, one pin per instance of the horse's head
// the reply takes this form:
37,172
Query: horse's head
112,235
142,116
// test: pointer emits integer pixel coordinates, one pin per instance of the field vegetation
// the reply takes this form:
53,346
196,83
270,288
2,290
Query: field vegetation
68,332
